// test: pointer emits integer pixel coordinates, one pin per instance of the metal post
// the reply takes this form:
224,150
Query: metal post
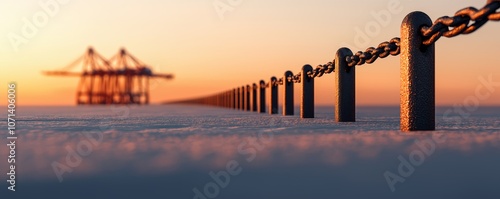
242,98
234,99
345,93
273,99
287,94
238,98
228,99
417,89
262,96
307,97
247,99
254,97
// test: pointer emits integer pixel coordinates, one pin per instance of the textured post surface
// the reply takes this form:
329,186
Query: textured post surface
345,93
254,97
287,94
273,96
262,96
247,99
307,95
417,89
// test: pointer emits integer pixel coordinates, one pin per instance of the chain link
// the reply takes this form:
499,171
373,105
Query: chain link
295,78
371,54
460,23
279,82
320,70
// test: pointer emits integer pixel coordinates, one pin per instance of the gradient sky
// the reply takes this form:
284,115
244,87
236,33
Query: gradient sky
256,40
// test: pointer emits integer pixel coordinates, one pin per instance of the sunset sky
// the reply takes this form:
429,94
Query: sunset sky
209,51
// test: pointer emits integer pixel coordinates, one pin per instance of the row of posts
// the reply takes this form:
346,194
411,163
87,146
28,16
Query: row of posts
417,90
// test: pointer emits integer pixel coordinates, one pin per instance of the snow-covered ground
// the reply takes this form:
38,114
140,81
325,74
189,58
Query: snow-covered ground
181,151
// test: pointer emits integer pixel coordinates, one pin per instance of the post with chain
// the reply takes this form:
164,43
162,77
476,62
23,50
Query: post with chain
238,98
242,98
226,99
254,97
345,93
417,89
217,100
229,100
307,96
273,96
234,99
262,96
247,95
287,94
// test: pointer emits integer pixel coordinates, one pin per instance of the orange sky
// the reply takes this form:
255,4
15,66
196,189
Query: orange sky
255,40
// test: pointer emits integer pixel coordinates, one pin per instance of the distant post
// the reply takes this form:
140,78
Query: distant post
235,104
287,94
254,97
262,96
273,100
242,98
307,96
247,99
238,98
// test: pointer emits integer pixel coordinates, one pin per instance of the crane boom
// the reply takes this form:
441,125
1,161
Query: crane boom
123,79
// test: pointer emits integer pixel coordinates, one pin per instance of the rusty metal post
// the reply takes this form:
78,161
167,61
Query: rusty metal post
307,97
262,96
254,97
287,94
247,99
345,93
417,87
273,96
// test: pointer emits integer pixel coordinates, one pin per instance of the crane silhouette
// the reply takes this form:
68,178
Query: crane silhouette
122,79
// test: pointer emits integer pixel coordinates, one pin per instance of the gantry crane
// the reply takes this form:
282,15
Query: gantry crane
123,79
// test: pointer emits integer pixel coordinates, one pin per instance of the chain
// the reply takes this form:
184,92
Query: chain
459,23
279,82
295,78
371,54
263,85
320,70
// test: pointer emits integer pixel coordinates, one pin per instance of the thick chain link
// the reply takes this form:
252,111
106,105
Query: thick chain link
443,26
320,70
461,22
371,54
